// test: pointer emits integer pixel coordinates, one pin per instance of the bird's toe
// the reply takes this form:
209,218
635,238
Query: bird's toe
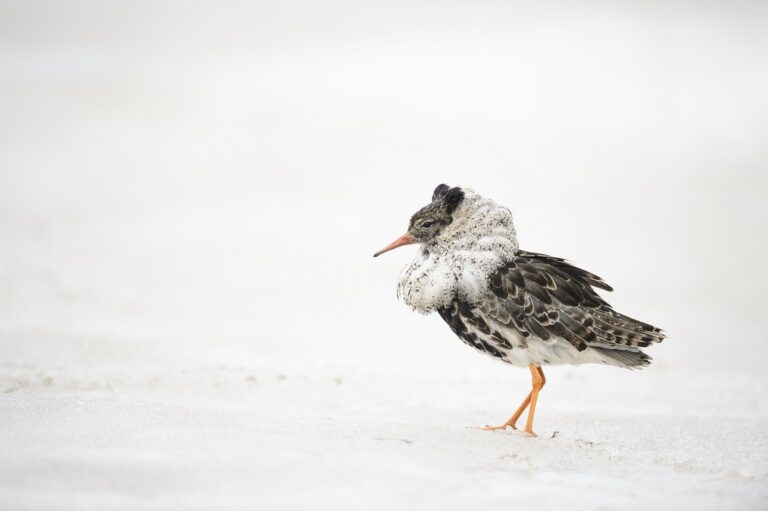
494,428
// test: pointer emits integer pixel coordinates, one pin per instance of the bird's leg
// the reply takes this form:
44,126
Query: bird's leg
512,420
537,373
538,381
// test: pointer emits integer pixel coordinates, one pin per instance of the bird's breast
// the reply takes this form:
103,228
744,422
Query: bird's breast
433,280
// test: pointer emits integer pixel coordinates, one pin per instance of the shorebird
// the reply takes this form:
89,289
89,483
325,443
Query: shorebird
522,308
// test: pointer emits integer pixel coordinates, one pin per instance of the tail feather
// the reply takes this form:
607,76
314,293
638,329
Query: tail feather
625,358
616,328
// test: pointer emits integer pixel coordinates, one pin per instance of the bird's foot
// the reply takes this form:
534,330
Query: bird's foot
530,434
494,428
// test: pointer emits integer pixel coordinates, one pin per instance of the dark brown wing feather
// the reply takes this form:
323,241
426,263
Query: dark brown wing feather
546,296
465,322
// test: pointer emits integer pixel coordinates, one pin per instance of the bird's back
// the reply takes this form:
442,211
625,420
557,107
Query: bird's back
538,309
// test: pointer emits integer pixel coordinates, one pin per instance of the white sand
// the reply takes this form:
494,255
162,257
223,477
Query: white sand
281,434
190,317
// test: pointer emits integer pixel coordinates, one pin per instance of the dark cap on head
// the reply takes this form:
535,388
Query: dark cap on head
451,196
427,223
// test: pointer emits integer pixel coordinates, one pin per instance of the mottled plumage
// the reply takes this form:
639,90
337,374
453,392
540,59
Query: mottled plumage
543,300
523,308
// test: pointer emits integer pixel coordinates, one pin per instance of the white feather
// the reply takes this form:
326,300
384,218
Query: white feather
461,259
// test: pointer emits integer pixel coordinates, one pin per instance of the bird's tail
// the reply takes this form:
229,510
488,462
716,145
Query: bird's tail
615,329
625,358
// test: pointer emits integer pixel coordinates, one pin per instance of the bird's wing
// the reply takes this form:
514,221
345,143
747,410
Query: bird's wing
544,296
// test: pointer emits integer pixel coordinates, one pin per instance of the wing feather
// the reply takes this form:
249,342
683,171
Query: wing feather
547,296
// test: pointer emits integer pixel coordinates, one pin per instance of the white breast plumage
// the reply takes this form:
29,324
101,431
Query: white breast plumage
459,262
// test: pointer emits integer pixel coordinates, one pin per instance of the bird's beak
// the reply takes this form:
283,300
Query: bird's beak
405,239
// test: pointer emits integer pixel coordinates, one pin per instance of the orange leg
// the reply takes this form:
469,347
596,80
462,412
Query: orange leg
537,383
512,420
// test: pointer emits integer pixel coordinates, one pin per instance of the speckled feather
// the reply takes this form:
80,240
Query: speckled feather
537,304
478,238
519,307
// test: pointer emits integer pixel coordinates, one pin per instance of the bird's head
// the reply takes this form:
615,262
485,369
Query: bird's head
464,239
460,221
428,223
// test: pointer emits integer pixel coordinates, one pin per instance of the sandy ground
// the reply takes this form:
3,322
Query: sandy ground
190,317
277,435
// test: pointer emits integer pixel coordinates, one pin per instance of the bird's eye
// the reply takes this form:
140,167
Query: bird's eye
427,224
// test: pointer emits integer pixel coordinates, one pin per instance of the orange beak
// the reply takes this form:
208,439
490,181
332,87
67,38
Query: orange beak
405,239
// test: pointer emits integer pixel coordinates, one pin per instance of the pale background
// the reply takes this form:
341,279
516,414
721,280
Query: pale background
190,194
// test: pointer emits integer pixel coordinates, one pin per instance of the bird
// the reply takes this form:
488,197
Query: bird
522,308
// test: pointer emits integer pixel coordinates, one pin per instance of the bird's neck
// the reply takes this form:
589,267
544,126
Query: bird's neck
459,262
440,274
